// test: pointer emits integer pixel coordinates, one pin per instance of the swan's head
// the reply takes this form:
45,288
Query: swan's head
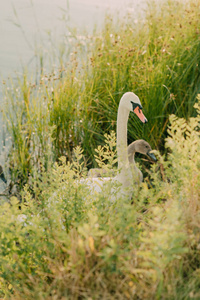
143,147
132,102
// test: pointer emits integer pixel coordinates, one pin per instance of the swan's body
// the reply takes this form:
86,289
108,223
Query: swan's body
139,146
129,102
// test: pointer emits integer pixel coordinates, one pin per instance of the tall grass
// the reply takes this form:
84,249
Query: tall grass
68,243
156,56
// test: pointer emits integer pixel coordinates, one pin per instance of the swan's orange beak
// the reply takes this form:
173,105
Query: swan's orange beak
140,114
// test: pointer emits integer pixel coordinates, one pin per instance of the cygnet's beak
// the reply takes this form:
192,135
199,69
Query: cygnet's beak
139,113
151,155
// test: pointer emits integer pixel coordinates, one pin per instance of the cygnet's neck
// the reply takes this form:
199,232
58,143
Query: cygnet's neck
131,153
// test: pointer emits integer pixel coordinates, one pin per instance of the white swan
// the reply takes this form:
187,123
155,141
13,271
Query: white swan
129,102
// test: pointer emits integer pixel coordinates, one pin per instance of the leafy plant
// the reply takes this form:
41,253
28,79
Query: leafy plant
66,242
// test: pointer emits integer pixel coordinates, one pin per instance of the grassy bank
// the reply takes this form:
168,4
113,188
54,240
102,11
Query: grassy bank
59,240
68,243
156,56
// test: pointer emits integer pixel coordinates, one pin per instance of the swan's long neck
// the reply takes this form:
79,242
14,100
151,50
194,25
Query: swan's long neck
122,120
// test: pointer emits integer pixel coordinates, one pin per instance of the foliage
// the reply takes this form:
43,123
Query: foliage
77,103
68,243
106,156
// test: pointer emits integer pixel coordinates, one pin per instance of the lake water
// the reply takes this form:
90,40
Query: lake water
25,23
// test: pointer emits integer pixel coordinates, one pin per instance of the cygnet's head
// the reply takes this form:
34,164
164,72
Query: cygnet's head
142,147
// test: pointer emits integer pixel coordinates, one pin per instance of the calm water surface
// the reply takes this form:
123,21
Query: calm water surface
24,24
